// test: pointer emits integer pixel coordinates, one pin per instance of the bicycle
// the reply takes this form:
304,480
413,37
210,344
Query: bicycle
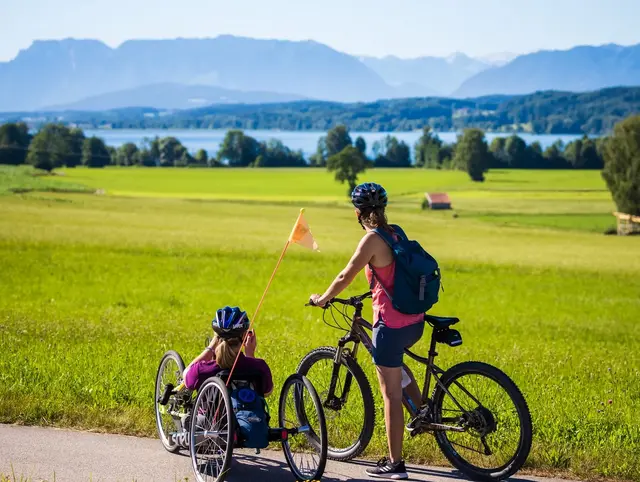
468,432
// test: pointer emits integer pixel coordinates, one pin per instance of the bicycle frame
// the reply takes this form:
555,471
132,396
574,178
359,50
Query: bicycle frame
358,334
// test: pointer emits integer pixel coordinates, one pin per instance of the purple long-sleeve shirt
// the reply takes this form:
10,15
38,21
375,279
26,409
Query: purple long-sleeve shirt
200,371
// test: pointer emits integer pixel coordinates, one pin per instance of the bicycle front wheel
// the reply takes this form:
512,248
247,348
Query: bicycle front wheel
489,430
348,407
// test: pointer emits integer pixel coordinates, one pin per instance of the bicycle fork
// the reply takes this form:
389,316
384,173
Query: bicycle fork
334,402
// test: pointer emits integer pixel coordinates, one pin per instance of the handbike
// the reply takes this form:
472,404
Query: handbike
205,424
477,414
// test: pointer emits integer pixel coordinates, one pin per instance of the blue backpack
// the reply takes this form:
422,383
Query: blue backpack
417,275
252,417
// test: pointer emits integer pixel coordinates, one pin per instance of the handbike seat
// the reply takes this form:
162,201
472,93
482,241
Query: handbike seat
251,378
441,321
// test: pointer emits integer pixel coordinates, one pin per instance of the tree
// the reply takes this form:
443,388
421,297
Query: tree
534,156
361,145
573,154
319,159
554,156
337,139
347,164
128,155
172,152
589,154
76,144
392,153
622,165
472,154
95,152
428,150
516,152
498,151
275,154
202,158
14,142
238,149
50,147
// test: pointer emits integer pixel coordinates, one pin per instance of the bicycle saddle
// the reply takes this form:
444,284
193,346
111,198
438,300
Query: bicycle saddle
441,321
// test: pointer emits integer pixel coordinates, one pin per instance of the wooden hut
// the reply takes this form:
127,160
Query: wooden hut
627,224
437,200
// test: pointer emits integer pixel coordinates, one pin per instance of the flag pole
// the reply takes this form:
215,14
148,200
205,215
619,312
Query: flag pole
264,294
286,245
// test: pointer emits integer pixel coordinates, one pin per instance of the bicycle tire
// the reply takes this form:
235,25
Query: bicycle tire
316,436
364,437
174,356
204,411
514,464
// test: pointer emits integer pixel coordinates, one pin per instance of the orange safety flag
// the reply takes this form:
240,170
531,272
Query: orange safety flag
301,234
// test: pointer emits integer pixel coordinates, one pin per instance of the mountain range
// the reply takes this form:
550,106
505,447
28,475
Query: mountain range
185,73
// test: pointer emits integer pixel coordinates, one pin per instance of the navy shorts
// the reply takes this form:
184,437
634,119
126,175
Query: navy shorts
389,343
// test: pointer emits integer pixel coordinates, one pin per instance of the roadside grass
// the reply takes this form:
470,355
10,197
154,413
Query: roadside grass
94,289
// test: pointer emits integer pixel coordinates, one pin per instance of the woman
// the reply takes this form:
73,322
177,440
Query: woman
392,331
229,326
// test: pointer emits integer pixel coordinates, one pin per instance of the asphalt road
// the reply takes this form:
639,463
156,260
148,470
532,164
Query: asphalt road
46,454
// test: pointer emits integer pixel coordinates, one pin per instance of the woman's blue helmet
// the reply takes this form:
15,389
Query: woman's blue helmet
369,195
230,322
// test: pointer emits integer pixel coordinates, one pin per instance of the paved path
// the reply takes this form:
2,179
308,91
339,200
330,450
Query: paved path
47,454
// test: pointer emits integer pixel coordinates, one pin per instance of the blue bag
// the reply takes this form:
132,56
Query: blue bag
252,418
417,276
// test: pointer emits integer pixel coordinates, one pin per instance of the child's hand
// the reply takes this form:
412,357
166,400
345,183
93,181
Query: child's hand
250,344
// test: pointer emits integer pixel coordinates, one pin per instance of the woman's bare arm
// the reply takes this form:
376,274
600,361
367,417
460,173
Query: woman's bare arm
362,256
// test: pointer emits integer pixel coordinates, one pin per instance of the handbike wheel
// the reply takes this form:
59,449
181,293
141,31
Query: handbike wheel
300,413
349,409
493,416
169,373
212,432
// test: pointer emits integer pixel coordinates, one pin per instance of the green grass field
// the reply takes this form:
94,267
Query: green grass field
93,290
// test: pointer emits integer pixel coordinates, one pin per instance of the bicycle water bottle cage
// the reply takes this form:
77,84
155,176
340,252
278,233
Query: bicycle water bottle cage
448,337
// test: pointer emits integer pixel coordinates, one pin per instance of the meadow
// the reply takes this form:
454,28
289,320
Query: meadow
94,288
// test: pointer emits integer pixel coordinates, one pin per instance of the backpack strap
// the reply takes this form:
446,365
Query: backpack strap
388,238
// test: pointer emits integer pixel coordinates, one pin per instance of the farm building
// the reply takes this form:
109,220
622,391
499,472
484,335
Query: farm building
627,224
437,200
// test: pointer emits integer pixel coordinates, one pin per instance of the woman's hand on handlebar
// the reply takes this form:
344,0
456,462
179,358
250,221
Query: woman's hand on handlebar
317,300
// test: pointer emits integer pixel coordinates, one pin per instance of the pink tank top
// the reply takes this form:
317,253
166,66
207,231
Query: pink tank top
383,310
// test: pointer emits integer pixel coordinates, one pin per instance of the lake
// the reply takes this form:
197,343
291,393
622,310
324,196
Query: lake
210,140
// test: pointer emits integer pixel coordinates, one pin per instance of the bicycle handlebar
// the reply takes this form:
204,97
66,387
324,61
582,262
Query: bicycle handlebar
351,301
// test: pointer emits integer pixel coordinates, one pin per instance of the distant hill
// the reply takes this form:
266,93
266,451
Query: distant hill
425,75
59,72
87,74
579,69
549,112
173,96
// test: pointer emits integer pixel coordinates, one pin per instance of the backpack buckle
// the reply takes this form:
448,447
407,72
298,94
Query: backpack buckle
423,284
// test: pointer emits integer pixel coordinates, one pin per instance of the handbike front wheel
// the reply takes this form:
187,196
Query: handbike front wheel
348,405
490,430
212,432
169,373
300,413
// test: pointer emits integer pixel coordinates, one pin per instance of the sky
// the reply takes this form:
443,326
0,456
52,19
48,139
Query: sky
405,28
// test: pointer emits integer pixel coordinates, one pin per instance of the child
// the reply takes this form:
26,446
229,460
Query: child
230,326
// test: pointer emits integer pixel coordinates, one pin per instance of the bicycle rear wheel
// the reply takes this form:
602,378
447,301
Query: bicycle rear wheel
492,418
348,408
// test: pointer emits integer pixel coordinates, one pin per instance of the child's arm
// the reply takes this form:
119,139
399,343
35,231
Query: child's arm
207,354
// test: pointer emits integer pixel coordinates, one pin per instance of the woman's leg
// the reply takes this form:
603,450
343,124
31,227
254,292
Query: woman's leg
391,387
